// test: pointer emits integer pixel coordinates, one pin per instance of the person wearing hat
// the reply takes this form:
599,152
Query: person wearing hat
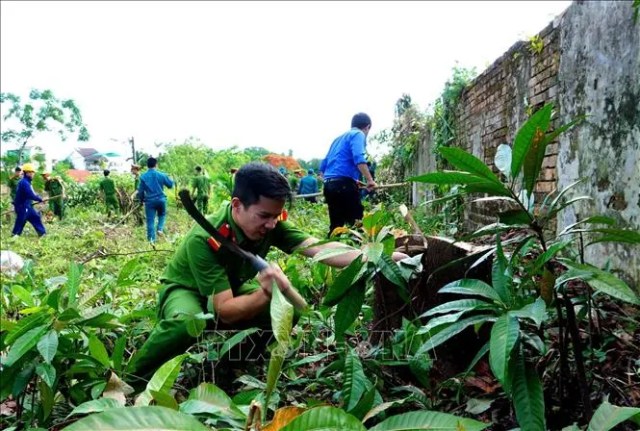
23,206
14,180
151,193
55,188
108,187
201,189
308,185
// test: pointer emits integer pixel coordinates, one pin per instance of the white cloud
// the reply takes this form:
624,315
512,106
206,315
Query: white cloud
283,75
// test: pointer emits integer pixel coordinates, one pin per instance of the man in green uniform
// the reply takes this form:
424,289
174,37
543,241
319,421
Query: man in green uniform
55,187
108,187
14,180
201,189
137,214
203,276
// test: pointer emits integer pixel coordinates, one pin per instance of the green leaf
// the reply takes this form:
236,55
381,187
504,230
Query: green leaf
501,278
528,399
73,283
28,323
502,160
545,257
454,329
348,309
47,373
355,382
124,277
236,339
464,161
391,271
325,419
164,399
561,194
365,403
342,283
46,401
522,142
608,416
23,295
451,177
589,220
428,420
515,217
281,316
373,251
504,337
96,406
138,419
195,326
490,188
48,346
210,399
468,286
601,281
98,351
536,311
162,380
458,305
118,352
24,344
331,252
274,370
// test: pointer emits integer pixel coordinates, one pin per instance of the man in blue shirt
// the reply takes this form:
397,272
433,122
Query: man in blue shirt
150,192
308,185
23,206
342,167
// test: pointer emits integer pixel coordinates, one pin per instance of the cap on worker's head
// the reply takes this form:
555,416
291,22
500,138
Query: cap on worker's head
18,169
28,167
46,174
360,120
310,171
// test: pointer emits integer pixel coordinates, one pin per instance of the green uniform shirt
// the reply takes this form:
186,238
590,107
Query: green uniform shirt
196,266
55,188
108,187
293,183
201,185
13,185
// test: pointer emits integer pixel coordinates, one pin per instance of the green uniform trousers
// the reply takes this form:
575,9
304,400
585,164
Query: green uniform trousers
112,203
57,207
202,203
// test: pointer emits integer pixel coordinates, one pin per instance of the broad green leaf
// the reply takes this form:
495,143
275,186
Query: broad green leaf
589,220
95,406
533,160
391,271
195,326
46,401
524,136
26,324
454,329
365,404
440,320
561,194
603,281
138,419
549,254
504,337
608,416
468,286
348,309
331,252
274,370
48,346
342,283
515,217
565,204
451,177
536,311
118,352
373,251
428,420
281,316
483,351
210,399
164,399
73,283
162,380
464,161
98,351
382,407
24,344
310,359
457,305
355,382
501,278
617,235
23,295
47,373
236,339
124,277
325,419
528,399
502,160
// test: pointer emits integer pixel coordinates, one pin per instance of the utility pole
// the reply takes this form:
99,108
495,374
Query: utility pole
133,150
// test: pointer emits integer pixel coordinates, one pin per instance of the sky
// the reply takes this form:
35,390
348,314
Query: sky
280,75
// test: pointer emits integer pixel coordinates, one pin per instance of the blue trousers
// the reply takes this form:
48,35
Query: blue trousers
151,208
24,214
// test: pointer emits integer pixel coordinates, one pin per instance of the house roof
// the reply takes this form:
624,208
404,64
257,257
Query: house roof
79,175
86,152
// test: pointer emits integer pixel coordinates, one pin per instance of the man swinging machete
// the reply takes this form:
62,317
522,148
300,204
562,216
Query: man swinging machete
211,275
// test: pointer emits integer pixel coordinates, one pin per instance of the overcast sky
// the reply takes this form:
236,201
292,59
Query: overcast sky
282,75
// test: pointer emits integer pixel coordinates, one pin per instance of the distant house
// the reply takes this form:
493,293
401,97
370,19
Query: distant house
92,160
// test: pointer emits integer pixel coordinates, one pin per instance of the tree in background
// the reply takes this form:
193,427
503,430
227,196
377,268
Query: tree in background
43,112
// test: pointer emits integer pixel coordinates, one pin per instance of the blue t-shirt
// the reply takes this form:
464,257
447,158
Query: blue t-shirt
346,153
151,183
308,185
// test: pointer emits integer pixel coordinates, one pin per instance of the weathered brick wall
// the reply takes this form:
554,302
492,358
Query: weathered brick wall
589,64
